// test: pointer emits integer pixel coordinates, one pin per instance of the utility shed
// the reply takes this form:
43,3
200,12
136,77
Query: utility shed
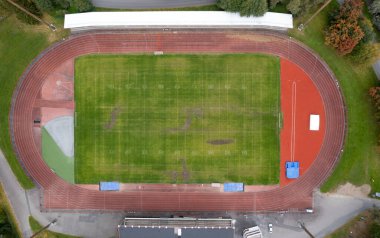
376,68
208,233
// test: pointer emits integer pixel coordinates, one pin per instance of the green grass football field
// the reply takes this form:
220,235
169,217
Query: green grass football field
177,118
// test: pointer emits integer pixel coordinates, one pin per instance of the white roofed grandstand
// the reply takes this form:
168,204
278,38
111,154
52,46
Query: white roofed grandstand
175,19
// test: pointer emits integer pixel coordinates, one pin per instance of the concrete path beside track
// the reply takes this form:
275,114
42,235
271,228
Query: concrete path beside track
331,212
150,4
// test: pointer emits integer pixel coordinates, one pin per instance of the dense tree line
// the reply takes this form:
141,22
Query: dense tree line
38,7
260,7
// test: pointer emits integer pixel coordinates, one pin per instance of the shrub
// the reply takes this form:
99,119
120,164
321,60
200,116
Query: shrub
44,5
362,53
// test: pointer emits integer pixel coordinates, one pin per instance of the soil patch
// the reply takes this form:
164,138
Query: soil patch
190,113
114,114
221,141
354,191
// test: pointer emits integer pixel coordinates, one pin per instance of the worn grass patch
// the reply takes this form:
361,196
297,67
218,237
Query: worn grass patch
177,118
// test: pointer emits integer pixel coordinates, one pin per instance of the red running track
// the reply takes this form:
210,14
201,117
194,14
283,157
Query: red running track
58,194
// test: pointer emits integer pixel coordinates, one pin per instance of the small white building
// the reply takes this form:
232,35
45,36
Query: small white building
314,122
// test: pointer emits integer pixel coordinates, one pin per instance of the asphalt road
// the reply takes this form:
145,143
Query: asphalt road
331,212
149,4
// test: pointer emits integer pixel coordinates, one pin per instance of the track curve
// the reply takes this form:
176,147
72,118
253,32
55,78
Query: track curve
58,194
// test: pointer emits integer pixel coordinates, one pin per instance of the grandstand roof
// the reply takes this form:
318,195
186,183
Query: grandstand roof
176,19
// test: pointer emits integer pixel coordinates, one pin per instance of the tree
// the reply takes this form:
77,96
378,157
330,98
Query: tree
254,7
244,7
230,5
344,32
374,8
273,3
44,5
294,6
82,5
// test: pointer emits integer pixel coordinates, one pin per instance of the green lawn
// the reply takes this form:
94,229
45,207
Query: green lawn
17,49
177,118
54,157
360,162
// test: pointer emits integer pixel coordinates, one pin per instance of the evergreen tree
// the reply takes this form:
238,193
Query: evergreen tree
294,6
254,8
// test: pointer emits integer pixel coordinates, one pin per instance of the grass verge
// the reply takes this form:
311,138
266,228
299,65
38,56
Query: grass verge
177,118
18,46
360,161
35,226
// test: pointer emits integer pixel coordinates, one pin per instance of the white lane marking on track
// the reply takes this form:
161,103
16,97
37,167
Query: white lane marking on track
293,132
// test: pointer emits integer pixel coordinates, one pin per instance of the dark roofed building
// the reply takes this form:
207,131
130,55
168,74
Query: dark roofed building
176,228
207,233
148,232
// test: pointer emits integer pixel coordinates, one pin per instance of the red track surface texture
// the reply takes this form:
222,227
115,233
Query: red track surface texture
299,99
58,194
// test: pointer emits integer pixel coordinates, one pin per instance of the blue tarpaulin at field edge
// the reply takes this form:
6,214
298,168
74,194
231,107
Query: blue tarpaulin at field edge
109,186
292,170
234,187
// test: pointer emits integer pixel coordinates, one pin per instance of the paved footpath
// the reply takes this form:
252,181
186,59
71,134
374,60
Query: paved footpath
150,4
331,212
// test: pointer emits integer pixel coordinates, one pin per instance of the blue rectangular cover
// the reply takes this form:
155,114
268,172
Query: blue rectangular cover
292,170
234,187
109,186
